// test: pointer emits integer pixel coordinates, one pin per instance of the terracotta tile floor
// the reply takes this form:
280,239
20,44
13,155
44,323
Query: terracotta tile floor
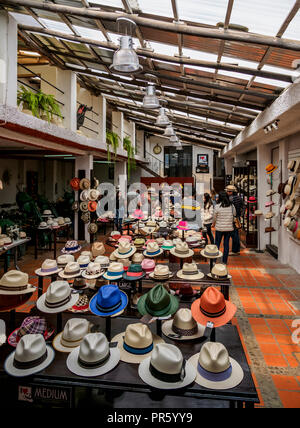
264,292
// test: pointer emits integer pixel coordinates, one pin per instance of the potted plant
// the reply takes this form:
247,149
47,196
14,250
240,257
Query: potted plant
49,107
112,139
127,145
29,101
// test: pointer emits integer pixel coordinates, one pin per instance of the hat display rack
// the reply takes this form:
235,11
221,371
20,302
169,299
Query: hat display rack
290,211
269,216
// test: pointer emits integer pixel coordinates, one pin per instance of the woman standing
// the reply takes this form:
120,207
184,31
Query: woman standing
223,221
207,213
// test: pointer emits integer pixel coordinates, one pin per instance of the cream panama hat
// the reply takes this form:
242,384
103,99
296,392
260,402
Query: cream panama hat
182,250
152,250
43,225
49,267
15,282
87,253
71,270
215,368
74,331
167,245
93,271
219,272
103,261
190,272
183,326
57,298
114,271
137,258
94,356
84,196
166,368
93,194
161,273
98,249
32,355
136,343
83,261
124,250
211,252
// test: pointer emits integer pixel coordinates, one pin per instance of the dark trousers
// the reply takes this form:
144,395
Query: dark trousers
118,223
236,245
227,236
208,233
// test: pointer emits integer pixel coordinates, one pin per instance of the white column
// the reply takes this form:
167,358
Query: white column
102,121
133,139
118,125
263,158
8,59
82,163
66,81
283,242
120,176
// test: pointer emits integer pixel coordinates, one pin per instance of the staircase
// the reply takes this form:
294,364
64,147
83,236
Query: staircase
154,166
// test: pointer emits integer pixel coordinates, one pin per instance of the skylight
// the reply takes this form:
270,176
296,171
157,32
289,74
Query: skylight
202,11
156,7
56,26
90,33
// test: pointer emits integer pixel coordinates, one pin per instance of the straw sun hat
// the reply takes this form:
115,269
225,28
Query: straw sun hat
219,272
74,331
182,250
57,298
211,252
161,273
182,326
15,282
190,272
49,267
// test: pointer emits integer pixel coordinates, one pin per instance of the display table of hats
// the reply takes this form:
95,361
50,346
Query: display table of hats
12,246
186,372
52,227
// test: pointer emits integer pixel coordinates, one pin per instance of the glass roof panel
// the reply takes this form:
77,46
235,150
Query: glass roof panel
90,33
56,25
112,3
293,30
202,11
25,19
157,7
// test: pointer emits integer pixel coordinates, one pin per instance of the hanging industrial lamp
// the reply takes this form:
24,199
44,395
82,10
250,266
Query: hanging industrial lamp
169,131
125,59
162,119
150,100
174,139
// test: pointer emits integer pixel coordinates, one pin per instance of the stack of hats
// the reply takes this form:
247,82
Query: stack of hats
139,243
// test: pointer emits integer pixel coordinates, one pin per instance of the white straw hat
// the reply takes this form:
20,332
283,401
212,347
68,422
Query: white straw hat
71,270
166,368
93,271
211,252
49,267
32,355
94,356
57,298
182,250
103,261
219,272
190,272
215,369
114,271
74,331
15,282
183,326
136,343
124,250
161,273
83,261
152,250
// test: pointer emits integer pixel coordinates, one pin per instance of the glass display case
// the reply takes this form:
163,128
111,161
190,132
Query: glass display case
245,180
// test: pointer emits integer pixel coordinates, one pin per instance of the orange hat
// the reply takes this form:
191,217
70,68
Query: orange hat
92,206
213,307
74,183
270,168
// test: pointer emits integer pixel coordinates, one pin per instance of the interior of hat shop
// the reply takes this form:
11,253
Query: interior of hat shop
150,205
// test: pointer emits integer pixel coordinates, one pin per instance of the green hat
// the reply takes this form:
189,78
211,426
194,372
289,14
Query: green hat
134,273
158,302
139,242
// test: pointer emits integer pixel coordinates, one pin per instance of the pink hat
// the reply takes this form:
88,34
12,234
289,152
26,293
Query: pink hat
147,242
138,214
125,238
182,225
148,265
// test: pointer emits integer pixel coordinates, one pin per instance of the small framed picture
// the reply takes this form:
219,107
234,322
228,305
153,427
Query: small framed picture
202,159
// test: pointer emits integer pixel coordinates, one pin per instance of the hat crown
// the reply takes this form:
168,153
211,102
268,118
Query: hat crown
189,267
75,329
148,263
58,291
29,325
214,357
102,260
138,336
212,300
137,258
183,319
124,247
83,260
93,348
30,347
211,249
135,267
14,278
167,358
115,267
108,296
93,268
219,269
152,246
161,269
48,264
86,253
72,267
158,298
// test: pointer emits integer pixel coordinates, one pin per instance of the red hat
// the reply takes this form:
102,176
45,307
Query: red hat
92,206
213,307
186,290
74,183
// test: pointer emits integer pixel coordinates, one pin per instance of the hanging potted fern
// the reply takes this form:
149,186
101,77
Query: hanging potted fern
29,101
112,139
127,145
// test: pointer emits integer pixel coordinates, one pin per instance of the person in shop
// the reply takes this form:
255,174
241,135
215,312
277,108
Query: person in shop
224,214
120,211
207,214
238,203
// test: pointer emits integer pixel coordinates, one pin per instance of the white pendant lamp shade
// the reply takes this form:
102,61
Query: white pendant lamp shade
125,59
174,139
169,131
150,100
162,119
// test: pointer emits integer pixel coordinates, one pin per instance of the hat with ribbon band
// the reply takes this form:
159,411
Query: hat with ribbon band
219,272
30,325
158,302
109,300
114,271
49,267
190,272
152,250
134,273
182,326
74,331
57,298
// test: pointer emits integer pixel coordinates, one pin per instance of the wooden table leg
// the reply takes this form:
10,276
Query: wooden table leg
108,328
40,286
55,242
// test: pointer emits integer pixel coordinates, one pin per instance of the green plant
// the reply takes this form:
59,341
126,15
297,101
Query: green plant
39,103
112,139
127,145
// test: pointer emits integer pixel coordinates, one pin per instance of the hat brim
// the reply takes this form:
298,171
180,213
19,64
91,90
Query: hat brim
219,279
168,331
220,254
40,273
13,371
235,379
199,275
133,278
147,377
93,307
126,356
40,304
74,367
112,278
217,321
182,256
64,251
125,256
62,275
173,307
12,338
86,276
151,275
152,255
30,289
273,169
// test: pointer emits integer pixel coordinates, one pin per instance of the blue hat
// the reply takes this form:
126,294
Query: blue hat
108,301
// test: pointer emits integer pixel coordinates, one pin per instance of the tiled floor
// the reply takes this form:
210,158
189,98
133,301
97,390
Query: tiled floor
264,292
